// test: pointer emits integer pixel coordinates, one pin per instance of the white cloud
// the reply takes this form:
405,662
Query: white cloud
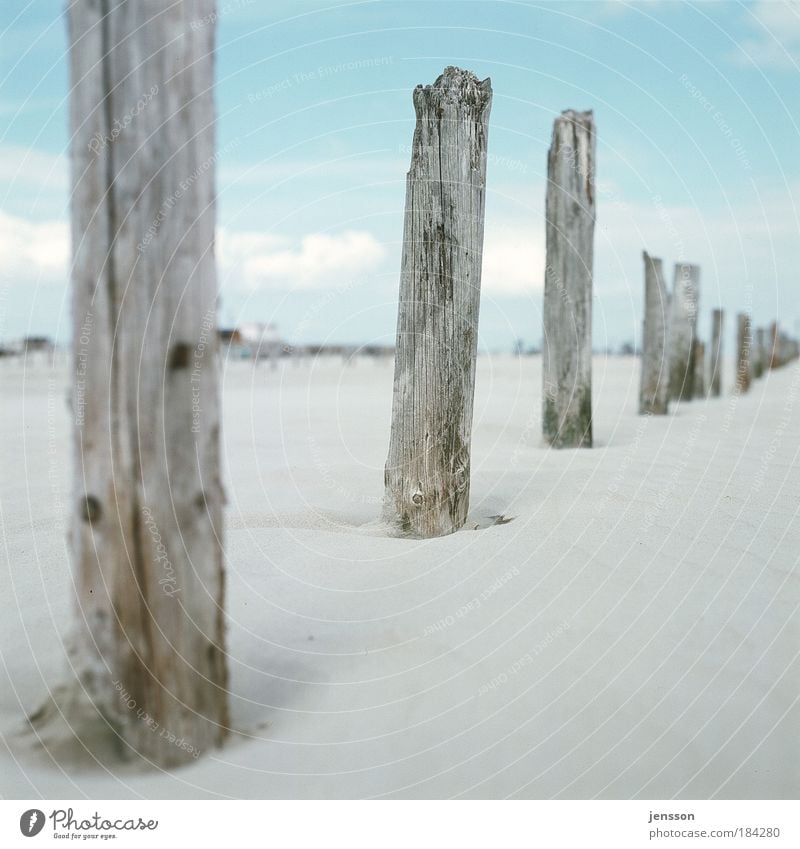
745,252
775,42
39,251
316,260
33,251
513,259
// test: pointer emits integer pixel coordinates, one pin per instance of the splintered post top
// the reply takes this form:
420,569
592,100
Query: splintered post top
575,116
456,86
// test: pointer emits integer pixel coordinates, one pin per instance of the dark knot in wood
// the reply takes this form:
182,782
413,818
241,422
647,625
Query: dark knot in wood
90,509
179,357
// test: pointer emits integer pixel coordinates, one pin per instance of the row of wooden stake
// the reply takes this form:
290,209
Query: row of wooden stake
675,364
427,471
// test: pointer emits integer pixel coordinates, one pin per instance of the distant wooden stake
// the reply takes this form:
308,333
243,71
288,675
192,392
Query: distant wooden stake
773,354
567,336
428,468
149,654
717,324
759,353
683,330
743,345
654,386
699,379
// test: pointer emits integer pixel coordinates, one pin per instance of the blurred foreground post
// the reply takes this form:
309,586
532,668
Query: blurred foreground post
427,473
717,322
567,334
149,654
654,386
699,377
743,344
683,330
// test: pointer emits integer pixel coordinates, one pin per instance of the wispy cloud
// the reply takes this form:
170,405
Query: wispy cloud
12,108
775,39
31,169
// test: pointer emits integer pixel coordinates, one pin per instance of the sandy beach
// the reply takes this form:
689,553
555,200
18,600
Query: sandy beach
627,629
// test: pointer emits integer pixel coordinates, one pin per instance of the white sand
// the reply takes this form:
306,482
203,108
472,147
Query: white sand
635,632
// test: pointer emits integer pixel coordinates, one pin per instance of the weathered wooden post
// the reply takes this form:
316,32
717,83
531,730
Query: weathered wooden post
699,376
683,329
773,357
428,467
743,344
654,386
567,314
717,323
758,353
149,653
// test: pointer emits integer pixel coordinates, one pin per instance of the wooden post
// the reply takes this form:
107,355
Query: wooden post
683,329
759,354
699,377
743,344
654,386
428,467
567,335
717,323
773,356
149,652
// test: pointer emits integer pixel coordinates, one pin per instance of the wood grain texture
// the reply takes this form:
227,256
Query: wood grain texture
149,654
567,313
717,330
683,330
743,346
654,384
427,474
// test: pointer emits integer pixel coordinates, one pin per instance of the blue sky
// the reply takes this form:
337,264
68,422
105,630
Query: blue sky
697,108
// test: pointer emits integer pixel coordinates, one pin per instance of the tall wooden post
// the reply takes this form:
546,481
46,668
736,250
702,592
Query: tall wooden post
149,653
759,353
567,336
743,345
717,323
428,468
654,386
699,377
683,329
